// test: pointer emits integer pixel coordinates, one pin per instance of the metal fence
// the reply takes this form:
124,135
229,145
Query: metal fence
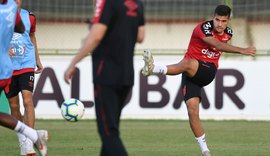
155,10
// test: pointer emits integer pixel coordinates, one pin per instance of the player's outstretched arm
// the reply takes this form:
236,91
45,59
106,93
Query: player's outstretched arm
249,51
38,62
141,34
229,48
93,39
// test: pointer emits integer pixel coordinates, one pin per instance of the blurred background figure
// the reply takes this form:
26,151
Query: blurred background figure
117,26
10,21
25,59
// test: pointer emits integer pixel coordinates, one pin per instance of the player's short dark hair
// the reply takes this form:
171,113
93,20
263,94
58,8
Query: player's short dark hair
223,10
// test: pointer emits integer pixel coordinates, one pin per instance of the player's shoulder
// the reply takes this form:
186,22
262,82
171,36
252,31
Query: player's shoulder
32,14
206,27
28,12
229,31
207,24
24,11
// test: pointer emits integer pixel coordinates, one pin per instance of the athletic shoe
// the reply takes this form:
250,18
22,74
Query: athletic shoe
45,134
148,63
40,144
206,153
26,148
22,148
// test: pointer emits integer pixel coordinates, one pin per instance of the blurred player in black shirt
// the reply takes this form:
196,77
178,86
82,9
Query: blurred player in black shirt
116,26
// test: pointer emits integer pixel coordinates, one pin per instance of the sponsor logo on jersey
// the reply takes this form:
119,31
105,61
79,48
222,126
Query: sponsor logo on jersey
207,28
131,6
16,36
229,31
17,45
211,54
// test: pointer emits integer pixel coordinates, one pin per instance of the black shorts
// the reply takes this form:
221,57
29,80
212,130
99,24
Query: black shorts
191,87
21,82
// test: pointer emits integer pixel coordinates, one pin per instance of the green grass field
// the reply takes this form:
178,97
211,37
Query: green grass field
150,138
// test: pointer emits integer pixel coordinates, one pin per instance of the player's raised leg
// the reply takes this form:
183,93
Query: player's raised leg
149,67
187,66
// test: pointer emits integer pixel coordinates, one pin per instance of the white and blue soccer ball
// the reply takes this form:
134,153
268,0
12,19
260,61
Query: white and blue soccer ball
72,110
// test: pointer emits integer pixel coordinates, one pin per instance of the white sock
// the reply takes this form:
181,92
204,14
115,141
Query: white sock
160,69
26,131
202,142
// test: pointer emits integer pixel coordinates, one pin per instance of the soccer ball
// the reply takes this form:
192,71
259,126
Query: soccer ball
72,110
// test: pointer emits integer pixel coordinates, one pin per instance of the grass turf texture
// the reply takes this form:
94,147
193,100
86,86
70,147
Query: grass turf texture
150,138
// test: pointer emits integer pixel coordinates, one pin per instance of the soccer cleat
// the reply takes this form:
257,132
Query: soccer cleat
26,148
148,63
22,148
45,134
40,144
29,148
206,153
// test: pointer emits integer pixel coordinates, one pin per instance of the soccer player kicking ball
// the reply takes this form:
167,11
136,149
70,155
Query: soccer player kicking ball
9,16
199,65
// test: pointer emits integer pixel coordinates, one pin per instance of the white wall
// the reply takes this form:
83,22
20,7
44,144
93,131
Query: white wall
249,74
254,93
158,36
